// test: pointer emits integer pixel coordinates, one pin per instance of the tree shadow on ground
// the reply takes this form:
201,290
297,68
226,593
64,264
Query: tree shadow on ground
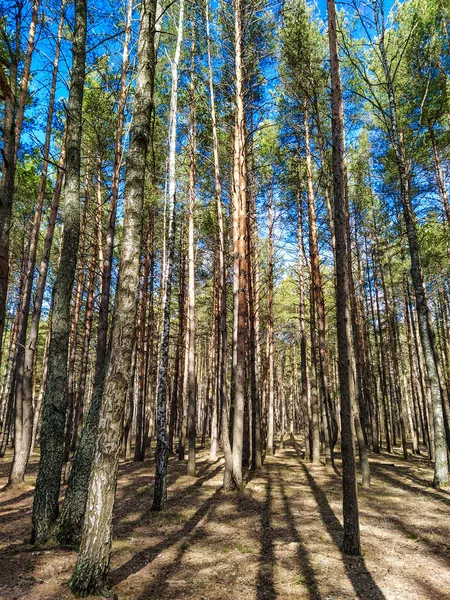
355,567
141,559
265,588
302,551
138,501
394,475
17,499
198,534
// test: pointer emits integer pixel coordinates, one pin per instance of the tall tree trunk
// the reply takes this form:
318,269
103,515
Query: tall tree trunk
162,448
24,404
9,93
302,321
12,132
93,560
423,315
191,414
351,542
270,333
88,317
33,335
70,521
45,506
221,391
73,335
139,450
317,308
23,88
256,450
176,401
240,250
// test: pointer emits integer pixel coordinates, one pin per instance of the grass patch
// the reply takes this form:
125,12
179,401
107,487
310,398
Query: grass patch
144,490
245,549
172,516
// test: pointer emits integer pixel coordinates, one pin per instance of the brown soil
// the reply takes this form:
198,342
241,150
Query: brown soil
277,539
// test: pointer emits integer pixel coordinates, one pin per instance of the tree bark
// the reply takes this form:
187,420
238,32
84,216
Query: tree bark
9,93
93,560
69,526
24,404
45,506
162,448
423,315
270,333
220,402
191,415
351,542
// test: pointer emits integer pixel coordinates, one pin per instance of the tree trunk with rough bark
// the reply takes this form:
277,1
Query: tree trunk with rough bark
270,334
45,506
70,522
24,401
423,315
191,395
219,402
351,541
93,560
162,447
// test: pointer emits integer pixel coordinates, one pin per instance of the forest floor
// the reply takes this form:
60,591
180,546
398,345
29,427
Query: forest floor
277,539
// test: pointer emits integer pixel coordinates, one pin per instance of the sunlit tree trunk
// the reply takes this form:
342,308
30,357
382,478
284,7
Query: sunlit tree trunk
302,269
316,310
256,449
45,506
177,387
270,333
24,402
162,448
93,560
351,542
423,315
70,521
220,402
8,86
191,396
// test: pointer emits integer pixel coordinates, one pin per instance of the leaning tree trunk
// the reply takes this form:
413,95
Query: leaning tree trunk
45,506
93,560
69,526
351,543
